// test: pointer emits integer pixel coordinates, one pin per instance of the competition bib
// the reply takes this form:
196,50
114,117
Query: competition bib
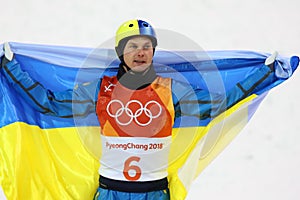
134,159
136,127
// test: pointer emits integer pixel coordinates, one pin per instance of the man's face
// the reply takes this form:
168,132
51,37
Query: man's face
138,53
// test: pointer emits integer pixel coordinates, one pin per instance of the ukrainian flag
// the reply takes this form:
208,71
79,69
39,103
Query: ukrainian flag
45,157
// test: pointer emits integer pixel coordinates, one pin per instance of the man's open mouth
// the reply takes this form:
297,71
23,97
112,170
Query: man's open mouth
139,61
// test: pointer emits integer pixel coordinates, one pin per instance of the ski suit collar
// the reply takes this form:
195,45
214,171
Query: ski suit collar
136,80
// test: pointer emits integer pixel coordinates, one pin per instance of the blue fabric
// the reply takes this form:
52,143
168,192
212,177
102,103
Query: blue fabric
188,100
104,194
212,72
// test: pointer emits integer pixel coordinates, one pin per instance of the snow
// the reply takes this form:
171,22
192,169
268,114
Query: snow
263,161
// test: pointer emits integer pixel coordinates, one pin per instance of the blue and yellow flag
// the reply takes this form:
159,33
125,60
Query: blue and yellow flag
46,157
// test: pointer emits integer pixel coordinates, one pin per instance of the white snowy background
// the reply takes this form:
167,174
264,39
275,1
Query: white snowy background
263,162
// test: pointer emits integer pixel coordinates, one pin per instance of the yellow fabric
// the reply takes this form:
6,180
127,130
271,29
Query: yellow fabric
204,142
222,131
45,164
63,163
183,142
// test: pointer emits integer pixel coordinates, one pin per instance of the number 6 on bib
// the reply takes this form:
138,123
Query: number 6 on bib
129,166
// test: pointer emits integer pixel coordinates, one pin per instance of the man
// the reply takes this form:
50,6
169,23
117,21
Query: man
136,109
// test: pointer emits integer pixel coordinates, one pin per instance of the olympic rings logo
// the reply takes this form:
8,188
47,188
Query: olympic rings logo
133,115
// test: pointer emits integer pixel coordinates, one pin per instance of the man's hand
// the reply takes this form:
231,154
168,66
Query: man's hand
7,51
271,59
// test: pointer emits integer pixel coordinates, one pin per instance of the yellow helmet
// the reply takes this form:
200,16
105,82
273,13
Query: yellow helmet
132,28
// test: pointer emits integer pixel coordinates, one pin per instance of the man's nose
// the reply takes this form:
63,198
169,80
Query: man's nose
140,52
